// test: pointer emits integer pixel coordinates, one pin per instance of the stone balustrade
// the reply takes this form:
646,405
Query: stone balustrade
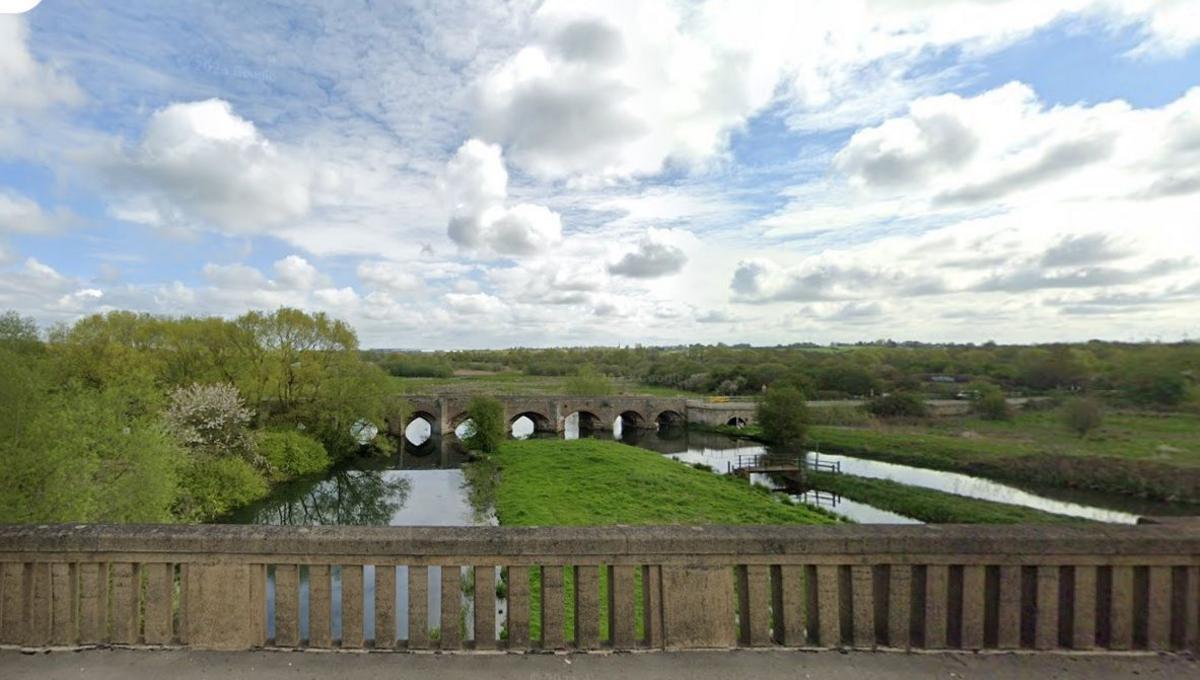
1079,587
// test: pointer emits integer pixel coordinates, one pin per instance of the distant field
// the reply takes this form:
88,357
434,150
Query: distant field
505,384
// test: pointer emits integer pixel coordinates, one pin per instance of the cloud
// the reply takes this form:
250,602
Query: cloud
1080,250
200,163
652,259
292,273
22,215
295,272
25,83
477,184
1033,277
760,280
474,304
389,276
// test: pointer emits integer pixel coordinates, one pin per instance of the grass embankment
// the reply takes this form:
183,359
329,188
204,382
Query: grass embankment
511,383
928,505
590,482
1152,456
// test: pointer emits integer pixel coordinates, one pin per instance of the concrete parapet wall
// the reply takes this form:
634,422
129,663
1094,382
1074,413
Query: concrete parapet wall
922,587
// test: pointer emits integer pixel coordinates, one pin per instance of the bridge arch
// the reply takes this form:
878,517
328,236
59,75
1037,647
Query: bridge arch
669,418
633,420
420,428
540,421
736,421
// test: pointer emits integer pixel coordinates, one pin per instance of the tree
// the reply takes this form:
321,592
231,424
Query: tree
897,405
292,454
1083,416
991,404
488,426
783,415
1154,386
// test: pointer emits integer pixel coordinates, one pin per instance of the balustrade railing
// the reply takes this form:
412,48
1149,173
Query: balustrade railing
921,587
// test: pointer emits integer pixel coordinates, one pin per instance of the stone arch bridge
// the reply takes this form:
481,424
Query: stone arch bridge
549,414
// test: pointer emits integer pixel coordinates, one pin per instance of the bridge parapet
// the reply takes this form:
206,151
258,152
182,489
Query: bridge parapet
908,587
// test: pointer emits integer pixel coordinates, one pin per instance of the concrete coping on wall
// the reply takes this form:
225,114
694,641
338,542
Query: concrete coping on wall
667,541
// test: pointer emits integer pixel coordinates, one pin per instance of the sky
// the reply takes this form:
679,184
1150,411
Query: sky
460,174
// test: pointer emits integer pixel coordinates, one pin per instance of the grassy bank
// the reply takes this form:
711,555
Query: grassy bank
590,482
928,505
1142,455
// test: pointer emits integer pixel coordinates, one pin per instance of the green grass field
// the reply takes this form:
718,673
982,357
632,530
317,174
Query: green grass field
505,384
591,482
928,505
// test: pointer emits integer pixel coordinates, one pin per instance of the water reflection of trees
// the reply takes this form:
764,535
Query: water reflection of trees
348,497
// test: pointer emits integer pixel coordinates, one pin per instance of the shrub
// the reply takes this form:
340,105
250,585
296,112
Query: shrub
292,454
212,487
838,415
488,426
897,405
991,404
212,420
783,415
1083,416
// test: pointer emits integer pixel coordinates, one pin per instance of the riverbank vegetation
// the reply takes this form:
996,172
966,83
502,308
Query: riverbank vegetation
128,417
928,505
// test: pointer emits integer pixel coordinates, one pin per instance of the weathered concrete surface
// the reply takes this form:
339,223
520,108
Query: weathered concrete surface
189,665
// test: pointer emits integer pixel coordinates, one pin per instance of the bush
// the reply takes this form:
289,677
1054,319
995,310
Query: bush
1083,416
212,421
292,454
897,405
838,415
488,426
991,404
783,415
212,487
1155,387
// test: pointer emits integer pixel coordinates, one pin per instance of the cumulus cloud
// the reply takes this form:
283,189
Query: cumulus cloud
199,162
292,273
624,89
1005,145
477,184
651,259
389,276
474,304
760,280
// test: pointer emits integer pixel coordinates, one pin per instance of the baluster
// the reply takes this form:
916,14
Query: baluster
12,603
552,607
1008,632
622,617
937,595
124,603
320,606
1191,610
900,606
451,633
38,631
352,606
829,606
160,587
862,592
287,607
1046,628
1158,619
973,591
587,606
518,608
418,607
385,606
1121,636
485,607
62,607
